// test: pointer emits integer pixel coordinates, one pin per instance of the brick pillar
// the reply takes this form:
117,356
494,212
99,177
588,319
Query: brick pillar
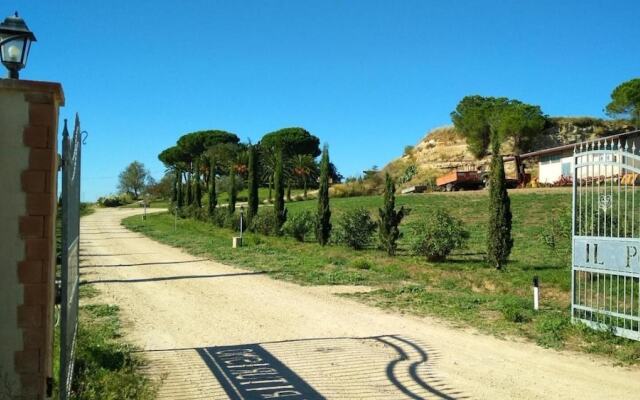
28,176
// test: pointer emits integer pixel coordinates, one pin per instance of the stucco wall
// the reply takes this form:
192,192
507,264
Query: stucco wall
14,158
551,171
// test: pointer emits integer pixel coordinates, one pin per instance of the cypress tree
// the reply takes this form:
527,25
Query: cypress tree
213,200
499,240
188,184
174,188
323,225
278,181
179,194
389,218
232,190
196,183
253,183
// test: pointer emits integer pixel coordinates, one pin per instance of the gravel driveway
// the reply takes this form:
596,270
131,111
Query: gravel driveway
211,331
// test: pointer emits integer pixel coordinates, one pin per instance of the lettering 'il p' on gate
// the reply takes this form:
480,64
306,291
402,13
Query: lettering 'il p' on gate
606,237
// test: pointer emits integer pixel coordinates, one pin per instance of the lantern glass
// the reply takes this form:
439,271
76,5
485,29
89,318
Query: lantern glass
15,51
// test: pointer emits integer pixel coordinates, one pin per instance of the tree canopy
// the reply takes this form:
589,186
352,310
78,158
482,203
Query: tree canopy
196,143
174,157
483,119
625,101
134,179
292,141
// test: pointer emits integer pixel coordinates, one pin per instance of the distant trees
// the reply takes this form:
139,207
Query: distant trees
203,162
483,119
134,179
304,169
323,224
625,101
489,121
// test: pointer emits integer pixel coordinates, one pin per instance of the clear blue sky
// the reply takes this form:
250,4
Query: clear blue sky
367,77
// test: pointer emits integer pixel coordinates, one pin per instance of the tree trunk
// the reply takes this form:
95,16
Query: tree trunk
304,184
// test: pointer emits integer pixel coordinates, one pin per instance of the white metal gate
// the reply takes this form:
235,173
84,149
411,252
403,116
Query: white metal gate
606,237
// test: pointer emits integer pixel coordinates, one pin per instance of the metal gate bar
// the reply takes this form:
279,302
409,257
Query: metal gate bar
606,248
71,158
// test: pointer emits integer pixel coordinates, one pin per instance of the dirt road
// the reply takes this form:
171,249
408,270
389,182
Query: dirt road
212,331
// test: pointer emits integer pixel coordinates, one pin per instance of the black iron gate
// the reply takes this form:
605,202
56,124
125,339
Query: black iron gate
71,156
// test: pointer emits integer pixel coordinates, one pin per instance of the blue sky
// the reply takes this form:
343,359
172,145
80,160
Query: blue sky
367,77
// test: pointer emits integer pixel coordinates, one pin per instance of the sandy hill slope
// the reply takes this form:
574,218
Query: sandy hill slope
444,148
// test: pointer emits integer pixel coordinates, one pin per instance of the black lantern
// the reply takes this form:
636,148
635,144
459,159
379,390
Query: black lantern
15,41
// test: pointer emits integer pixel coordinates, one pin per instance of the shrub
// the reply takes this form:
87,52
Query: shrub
437,236
114,200
299,225
220,216
552,329
355,228
195,212
360,263
232,221
516,309
264,222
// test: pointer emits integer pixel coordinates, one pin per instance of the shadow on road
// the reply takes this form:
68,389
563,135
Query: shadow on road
142,264
167,278
375,368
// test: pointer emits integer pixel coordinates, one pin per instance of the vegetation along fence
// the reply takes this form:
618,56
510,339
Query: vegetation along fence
606,237
71,158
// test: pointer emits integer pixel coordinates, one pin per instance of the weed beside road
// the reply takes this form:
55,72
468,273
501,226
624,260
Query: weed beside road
105,366
463,290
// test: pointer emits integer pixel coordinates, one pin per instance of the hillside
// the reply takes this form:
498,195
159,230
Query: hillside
444,148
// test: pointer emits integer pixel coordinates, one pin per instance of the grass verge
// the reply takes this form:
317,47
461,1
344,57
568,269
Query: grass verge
106,367
463,290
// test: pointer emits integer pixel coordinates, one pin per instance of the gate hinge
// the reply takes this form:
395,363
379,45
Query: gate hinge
49,386
58,292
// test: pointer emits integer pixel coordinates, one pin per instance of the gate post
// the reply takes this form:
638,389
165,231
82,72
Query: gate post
28,194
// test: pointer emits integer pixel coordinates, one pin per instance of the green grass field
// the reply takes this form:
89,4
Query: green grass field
463,290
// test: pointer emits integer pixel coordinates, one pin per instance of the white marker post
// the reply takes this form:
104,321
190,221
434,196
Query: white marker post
536,293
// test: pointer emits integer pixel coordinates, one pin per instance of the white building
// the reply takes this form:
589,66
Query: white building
557,162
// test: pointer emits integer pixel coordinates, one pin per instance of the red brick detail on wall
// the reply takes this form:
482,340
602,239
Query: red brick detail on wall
28,360
36,137
40,204
32,226
31,272
38,249
29,316
37,230
40,114
42,159
35,294
34,181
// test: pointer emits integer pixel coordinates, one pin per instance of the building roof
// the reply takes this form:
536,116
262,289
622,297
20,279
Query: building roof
565,147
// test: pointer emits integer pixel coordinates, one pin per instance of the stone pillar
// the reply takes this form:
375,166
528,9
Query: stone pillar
28,195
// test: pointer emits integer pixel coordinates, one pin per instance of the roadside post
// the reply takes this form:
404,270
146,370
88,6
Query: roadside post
536,293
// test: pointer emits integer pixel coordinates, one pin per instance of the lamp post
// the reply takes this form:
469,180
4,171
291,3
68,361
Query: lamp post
15,42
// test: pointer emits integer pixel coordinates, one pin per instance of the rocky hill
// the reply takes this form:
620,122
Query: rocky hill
443,149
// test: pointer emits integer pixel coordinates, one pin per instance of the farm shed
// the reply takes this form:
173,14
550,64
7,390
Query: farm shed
557,162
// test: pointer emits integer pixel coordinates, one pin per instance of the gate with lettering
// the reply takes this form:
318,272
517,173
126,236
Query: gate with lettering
606,237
